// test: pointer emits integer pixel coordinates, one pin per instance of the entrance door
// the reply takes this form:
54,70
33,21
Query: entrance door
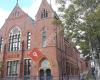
48,74
42,76
45,74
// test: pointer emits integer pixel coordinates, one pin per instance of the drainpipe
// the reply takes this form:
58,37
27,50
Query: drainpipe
4,62
22,61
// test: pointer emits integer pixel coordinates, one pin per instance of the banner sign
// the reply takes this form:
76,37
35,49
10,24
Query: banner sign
35,54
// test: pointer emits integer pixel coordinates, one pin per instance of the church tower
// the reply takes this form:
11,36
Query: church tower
46,38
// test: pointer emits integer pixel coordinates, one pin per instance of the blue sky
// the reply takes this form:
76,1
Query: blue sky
9,4
29,6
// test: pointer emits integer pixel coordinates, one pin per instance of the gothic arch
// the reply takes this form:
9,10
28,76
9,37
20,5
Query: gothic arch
44,69
14,30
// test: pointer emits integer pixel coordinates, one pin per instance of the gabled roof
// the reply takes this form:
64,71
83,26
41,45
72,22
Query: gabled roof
16,12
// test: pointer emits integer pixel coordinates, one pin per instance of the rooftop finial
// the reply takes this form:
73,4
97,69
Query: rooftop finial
17,2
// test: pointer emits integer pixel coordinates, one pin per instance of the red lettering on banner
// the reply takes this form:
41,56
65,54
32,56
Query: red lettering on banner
11,56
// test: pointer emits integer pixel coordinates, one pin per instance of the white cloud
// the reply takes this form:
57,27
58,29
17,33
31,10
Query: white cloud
3,15
32,10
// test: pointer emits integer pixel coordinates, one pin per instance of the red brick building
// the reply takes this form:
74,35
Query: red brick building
34,47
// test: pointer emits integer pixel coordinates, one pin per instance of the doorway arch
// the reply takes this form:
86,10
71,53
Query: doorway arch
45,71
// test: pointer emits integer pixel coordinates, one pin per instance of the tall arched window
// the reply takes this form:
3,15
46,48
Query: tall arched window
28,40
1,44
44,37
14,39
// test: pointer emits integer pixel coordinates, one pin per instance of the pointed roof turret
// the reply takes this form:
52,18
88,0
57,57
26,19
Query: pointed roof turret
45,6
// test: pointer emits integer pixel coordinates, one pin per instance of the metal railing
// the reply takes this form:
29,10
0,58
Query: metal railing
42,78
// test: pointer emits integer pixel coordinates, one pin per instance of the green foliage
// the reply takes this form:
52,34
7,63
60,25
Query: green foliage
93,29
57,21
81,21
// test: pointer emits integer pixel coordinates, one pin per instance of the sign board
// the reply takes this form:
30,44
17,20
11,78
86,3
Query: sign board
35,54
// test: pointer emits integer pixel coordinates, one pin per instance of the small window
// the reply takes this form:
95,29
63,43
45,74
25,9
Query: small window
44,14
28,40
16,14
44,38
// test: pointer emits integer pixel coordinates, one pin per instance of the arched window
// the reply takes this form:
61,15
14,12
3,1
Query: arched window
44,14
14,39
28,40
44,37
1,44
